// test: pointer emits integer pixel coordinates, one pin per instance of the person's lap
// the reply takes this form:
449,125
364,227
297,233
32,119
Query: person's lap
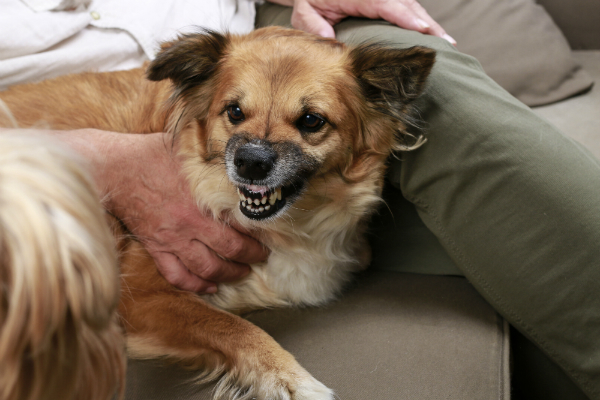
513,201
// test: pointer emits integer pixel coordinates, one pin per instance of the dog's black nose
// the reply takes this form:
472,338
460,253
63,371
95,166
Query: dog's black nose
254,160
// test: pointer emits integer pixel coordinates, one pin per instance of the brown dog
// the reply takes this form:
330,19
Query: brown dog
301,126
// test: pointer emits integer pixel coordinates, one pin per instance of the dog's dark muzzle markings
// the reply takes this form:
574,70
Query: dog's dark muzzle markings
269,176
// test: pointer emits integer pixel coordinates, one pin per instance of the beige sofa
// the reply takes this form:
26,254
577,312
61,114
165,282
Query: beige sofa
417,336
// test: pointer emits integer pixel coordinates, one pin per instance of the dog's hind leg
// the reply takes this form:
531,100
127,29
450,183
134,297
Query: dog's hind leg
163,322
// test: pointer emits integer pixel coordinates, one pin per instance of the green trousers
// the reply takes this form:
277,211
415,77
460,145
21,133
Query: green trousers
514,203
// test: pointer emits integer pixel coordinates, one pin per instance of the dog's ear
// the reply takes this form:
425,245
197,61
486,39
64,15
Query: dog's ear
391,77
190,60
390,80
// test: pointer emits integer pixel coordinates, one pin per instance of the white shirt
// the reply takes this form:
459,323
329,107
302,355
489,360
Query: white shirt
47,38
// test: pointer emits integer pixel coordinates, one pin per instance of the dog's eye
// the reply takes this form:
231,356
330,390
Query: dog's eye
310,123
235,114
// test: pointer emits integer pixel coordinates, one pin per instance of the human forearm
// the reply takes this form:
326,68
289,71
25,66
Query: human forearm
99,149
138,178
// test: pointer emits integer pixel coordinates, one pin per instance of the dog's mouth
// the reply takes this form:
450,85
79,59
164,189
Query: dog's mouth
260,202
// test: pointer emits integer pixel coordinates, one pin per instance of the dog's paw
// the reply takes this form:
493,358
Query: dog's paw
312,390
289,383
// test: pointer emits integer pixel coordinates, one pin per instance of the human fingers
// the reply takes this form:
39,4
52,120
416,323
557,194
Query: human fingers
231,242
435,28
308,19
210,266
409,14
173,270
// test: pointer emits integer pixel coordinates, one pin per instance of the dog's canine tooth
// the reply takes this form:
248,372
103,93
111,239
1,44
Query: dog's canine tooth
278,191
242,197
273,198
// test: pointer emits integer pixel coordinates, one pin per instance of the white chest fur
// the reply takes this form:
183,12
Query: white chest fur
297,276
315,247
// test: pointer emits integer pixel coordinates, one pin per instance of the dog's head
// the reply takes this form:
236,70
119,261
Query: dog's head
278,108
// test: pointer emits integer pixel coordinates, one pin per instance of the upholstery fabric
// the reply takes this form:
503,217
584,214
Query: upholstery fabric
518,45
391,336
579,116
578,20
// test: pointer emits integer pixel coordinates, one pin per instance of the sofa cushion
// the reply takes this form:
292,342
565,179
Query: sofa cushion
578,117
392,336
518,45
578,21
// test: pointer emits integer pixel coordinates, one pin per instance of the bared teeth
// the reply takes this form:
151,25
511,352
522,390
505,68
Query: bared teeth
255,205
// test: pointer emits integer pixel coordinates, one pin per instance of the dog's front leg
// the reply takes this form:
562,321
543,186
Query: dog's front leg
163,322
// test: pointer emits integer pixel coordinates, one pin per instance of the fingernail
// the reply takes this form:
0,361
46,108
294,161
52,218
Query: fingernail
449,38
211,290
423,24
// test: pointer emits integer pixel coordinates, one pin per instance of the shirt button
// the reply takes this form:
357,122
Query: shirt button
95,15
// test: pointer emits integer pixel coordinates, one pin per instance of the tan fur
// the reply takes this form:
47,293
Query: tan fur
59,334
273,74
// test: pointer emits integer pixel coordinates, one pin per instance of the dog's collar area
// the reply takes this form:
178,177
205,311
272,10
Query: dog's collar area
259,202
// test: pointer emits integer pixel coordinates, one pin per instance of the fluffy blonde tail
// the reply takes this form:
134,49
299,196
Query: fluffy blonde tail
59,285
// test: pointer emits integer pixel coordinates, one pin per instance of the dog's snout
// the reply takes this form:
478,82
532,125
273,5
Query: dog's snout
254,161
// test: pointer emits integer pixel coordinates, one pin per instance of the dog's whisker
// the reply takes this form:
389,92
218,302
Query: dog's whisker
302,209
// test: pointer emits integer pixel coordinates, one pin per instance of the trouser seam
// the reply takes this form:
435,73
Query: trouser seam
464,263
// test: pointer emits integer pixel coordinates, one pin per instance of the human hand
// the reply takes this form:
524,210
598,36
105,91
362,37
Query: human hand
319,16
192,249
138,174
